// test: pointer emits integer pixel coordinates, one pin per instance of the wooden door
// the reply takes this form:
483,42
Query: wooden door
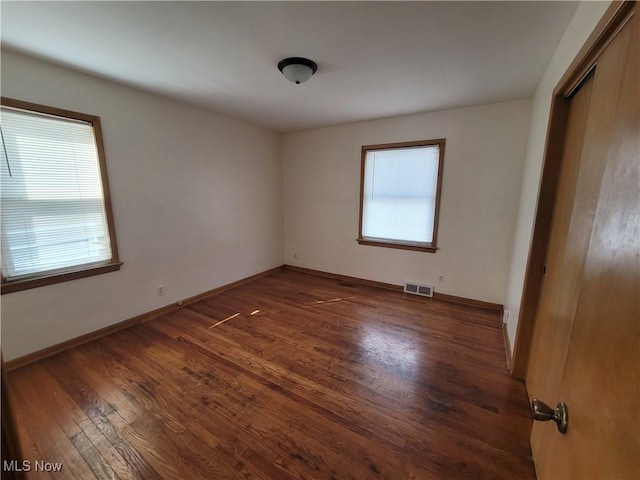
585,347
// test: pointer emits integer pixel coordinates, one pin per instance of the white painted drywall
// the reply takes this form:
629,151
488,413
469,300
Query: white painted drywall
581,26
484,156
197,201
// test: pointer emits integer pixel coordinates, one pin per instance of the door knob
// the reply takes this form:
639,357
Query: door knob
543,412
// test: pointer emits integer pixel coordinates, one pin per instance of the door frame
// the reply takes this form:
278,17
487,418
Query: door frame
615,17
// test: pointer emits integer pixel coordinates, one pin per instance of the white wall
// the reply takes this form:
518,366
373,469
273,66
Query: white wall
483,163
197,201
584,21
198,198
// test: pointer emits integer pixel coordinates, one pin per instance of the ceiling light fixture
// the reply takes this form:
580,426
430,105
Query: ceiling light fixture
297,69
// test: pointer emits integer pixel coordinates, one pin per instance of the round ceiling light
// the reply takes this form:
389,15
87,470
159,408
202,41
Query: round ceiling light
297,69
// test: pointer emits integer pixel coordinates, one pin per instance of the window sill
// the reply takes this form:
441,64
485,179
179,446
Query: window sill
377,242
59,277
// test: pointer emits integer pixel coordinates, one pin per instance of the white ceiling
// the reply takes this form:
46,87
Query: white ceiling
375,59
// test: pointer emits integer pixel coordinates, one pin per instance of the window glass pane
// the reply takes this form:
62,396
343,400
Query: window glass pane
400,188
52,207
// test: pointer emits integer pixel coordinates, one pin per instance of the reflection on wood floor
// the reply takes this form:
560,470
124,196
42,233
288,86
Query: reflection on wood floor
292,376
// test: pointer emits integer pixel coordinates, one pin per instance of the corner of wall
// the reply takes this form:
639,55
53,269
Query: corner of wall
584,21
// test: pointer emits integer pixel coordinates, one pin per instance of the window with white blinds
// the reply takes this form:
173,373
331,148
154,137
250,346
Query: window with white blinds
54,217
400,194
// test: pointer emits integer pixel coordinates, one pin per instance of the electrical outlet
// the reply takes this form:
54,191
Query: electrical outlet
295,255
441,278
160,290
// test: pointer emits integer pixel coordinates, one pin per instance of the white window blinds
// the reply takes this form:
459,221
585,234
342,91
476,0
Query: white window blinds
52,206
399,193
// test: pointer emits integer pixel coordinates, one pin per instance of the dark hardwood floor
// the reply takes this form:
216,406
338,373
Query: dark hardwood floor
292,376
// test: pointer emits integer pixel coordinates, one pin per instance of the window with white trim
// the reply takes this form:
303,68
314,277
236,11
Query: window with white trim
56,222
400,194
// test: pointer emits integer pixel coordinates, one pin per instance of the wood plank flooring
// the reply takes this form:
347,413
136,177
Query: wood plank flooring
292,376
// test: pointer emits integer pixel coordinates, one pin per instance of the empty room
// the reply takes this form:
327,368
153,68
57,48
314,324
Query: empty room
320,240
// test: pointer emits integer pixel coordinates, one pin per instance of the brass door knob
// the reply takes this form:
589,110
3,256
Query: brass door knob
543,412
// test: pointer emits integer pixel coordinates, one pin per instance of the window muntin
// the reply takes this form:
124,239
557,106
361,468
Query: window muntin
55,214
400,192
